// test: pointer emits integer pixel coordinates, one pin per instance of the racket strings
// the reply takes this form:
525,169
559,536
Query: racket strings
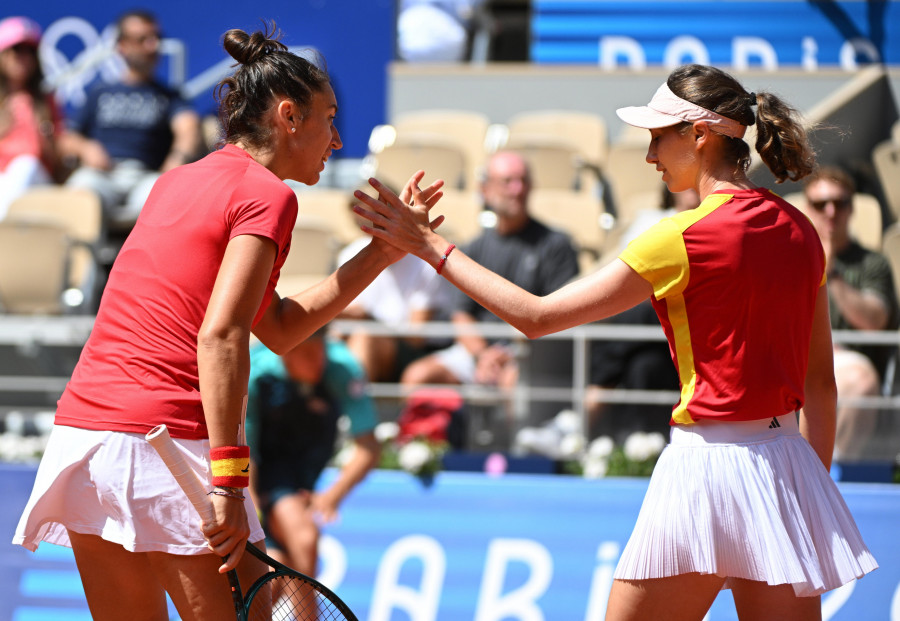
289,598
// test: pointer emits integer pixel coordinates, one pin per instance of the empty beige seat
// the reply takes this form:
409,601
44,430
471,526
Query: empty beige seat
332,207
440,160
33,262
890,248
465,129
584,131
312,256
576,214
554,164
628,175
462,212
80,213
886,158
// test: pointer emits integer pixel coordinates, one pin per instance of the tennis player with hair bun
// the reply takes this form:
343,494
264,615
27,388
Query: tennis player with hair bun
170,345
741,498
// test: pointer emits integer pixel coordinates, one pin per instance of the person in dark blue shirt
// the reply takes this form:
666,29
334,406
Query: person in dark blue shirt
130,132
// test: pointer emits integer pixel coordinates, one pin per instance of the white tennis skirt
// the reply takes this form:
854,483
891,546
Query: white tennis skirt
745,500
115,485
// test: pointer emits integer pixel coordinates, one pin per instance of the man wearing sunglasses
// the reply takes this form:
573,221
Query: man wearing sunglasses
862,297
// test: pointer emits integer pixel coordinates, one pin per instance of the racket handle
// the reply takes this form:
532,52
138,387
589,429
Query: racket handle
196,491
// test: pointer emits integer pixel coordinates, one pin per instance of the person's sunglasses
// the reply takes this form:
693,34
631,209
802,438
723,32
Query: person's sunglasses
840,204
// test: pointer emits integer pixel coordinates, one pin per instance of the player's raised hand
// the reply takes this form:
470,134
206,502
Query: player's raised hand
405,225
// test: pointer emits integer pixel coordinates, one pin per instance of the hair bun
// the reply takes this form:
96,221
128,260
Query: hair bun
247,49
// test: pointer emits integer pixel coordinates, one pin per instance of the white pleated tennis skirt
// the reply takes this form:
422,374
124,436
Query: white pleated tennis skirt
745,500
115,485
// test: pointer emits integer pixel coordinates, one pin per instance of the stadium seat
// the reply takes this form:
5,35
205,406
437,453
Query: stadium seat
80,213
312,256
584,131
890,247
463,215
576,214
555,164
33,264
464,128
331,206
628,175
886,158
439,159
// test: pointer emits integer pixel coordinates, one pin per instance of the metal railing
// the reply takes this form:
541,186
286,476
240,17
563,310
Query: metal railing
30,334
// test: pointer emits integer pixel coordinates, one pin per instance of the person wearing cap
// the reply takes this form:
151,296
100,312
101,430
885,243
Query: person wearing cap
741,498
30,120
129,132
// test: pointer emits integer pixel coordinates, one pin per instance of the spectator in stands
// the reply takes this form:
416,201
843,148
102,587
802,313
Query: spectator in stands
30,120
294,402
407,292
861,296
129,132
519,248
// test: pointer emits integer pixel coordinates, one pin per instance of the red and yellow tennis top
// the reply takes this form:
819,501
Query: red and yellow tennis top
734,286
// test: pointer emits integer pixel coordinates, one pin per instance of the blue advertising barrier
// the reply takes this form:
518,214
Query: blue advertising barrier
739,34
356,39
469,547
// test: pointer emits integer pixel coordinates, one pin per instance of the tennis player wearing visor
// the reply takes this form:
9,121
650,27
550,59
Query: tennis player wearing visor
741,497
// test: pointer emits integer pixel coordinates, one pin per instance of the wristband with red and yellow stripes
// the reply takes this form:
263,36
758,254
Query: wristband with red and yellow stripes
230,466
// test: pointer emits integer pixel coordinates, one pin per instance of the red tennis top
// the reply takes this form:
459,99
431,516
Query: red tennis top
138,369
734,286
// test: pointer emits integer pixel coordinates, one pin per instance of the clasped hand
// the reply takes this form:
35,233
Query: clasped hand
402,221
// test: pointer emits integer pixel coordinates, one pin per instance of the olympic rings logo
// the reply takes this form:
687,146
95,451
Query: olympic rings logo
70,77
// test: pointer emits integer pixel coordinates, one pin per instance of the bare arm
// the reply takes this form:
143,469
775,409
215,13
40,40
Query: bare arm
607,292
865,310
817,419
289,321
89,152
223,361
186,140
366,452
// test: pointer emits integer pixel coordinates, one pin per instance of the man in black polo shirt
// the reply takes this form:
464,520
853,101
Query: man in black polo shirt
519,248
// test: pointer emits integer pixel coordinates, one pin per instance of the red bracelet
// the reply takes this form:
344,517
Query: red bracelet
447,252
230,466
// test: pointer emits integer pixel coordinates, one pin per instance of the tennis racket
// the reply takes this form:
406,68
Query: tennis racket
280,594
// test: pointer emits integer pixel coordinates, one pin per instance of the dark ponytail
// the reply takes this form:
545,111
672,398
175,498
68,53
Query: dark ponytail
781,140
267,71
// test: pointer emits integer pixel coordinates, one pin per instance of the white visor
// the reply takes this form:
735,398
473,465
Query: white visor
666,109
